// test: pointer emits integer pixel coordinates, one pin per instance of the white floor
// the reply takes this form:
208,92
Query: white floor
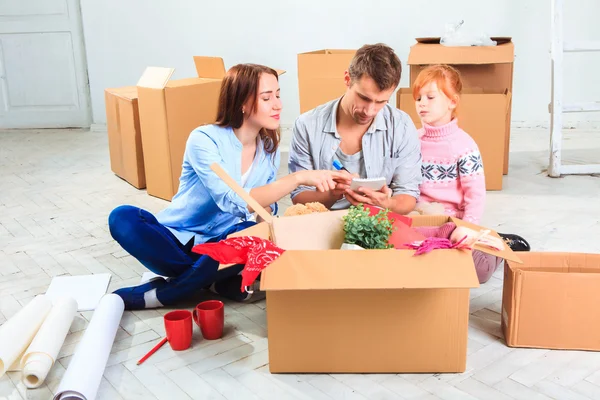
56,191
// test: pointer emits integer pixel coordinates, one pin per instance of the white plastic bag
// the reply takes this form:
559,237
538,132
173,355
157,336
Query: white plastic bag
456,35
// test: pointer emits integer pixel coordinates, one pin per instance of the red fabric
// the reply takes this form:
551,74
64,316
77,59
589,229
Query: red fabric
255,253
398,218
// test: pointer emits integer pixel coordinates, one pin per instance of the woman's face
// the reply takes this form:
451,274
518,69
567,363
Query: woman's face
269,106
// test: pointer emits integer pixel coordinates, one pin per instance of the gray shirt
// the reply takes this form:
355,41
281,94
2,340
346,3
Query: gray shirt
390,147
354,163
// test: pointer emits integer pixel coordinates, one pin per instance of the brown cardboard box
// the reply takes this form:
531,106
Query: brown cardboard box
169,111
321,76
483,68
551,301
124,138
481,116
364,311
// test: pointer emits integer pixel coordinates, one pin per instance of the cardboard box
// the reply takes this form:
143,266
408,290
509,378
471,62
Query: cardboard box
488,69
364,311
551,301
321,76
169,111
482,115
124,137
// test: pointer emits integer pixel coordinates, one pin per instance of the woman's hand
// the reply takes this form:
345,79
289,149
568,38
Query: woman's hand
324,180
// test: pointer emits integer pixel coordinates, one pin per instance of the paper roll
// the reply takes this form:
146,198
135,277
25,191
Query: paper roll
41,354
82,378
18,332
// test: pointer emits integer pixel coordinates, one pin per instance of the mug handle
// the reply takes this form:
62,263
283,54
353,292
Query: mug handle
195,316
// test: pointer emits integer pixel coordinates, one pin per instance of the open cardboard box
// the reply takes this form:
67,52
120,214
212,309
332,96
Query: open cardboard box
551,301
364,311
169,111
483,68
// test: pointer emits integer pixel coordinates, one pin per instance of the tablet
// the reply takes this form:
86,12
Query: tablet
371,183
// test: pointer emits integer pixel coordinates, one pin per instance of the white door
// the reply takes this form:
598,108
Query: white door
43,73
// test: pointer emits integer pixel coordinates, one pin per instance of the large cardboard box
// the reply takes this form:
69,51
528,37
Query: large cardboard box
321,76
482,115
364,311
484,69
551,301
124,137
169,111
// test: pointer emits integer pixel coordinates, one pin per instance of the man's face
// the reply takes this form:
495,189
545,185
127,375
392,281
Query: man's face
364,99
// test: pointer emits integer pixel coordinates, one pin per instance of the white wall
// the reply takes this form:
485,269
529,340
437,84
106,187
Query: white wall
123,37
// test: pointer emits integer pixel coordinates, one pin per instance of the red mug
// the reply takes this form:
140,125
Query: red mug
178,326
210,317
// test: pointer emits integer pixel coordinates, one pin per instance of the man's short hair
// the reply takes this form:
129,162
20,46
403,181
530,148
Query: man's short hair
379,62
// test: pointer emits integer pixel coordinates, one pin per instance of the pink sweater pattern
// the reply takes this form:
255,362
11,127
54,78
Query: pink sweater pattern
452,171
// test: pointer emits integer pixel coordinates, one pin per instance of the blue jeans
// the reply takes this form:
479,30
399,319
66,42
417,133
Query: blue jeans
153,245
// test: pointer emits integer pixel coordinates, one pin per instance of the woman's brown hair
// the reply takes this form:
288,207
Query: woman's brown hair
239,86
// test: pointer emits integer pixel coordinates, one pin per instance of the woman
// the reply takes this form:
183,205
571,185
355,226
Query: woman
245,142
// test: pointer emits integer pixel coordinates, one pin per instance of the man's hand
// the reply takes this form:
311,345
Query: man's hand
380,198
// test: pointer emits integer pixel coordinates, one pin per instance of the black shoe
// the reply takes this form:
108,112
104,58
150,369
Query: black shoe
515,242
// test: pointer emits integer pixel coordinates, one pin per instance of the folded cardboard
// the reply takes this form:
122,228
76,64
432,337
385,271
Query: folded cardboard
482,115
366,311
551,301
124,137
321,76
169,111
485,68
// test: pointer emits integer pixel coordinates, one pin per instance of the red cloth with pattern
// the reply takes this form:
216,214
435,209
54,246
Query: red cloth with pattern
254,252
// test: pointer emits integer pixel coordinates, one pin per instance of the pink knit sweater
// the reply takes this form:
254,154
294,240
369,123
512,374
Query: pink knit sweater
452,171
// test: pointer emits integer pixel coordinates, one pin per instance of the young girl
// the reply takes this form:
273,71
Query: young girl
452,168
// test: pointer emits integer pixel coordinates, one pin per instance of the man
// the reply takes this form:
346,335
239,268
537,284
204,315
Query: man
361,130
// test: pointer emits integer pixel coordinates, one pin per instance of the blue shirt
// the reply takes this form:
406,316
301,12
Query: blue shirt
204,206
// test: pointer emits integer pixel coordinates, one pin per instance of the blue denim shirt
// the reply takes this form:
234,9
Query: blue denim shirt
204,206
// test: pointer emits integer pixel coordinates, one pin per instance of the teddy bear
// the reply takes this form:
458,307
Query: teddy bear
303,209
425,208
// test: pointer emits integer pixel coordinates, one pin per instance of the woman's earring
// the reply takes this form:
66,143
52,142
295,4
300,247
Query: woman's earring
243,111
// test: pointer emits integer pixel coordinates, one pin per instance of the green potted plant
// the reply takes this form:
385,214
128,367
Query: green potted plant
367,231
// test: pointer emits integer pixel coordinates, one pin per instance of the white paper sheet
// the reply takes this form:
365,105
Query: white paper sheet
87,290
83,376
18,332
41,353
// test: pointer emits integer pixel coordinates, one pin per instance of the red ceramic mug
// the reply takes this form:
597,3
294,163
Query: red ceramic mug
210,317
178,326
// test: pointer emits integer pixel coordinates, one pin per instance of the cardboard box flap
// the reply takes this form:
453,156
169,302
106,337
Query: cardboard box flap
126,92
155,77
209,67
260,230
369,269
318,231
506,254
559,262
430,51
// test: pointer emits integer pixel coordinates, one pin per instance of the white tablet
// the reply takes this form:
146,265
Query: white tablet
371,183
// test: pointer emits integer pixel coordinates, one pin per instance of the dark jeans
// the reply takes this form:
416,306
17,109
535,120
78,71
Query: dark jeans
153,245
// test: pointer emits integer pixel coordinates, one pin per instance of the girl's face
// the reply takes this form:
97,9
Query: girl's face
433,106
268,107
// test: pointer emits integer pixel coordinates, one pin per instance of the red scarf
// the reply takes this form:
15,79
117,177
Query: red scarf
255,253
